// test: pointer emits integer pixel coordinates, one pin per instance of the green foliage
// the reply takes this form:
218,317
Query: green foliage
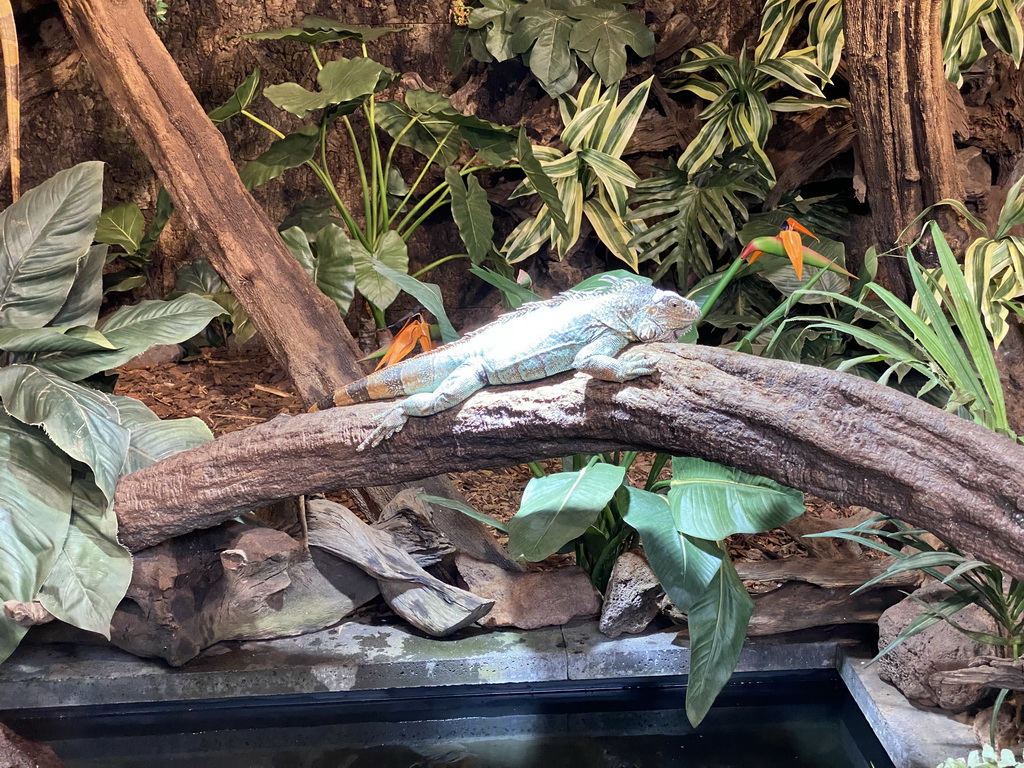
962,24
200,278
780,18
65,444
739,113
987,757
589,180
689,211
344,259
553,36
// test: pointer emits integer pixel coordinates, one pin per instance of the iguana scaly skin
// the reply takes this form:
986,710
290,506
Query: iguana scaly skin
576,330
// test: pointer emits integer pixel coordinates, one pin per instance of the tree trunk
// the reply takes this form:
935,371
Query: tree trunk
899,96
834,435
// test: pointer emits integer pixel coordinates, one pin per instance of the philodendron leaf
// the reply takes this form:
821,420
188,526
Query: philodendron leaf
342,82
133,330
684,566
349,31
717,623
712,501
427,294
390,251
82,422
93,570
472,214
290,152
43,237
558,508
239,100
332,268
35,511
121,225
82,306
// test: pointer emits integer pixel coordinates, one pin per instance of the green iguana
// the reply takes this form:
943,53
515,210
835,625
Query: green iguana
576,330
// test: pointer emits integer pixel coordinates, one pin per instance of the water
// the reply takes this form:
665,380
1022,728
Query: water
803,720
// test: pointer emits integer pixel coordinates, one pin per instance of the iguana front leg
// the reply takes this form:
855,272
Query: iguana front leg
457,386
597,359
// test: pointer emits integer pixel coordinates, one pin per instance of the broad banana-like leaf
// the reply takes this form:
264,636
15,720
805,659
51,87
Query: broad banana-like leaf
717,623
152,438
132,330
684,566
712,501
43,236
93,570
82,306
80,339
82,422
35,510
558,508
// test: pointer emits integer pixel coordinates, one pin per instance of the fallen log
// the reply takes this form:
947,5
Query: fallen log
835,435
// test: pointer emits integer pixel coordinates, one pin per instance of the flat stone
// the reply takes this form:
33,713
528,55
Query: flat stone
633,597
16,752
531,599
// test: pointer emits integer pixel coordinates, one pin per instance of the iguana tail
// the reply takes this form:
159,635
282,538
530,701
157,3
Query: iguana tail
420,374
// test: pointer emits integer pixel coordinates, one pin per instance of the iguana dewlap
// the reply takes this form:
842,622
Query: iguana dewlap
576,330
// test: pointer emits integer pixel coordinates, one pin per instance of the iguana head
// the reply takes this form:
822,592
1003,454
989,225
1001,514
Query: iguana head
660,315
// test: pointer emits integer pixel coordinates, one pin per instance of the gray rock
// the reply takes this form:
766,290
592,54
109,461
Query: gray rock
16,752
633,597
161,354
937,649
530,599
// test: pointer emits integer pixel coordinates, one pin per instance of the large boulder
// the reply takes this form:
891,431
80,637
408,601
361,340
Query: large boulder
939,648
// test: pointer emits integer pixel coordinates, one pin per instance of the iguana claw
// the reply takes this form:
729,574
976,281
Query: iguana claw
391,424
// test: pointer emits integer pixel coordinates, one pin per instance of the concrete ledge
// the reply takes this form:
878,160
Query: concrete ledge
360,657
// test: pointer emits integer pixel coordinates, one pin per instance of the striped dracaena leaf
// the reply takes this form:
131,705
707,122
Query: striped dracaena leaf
623,120
777,21
702,87
794,73
825,33
1003,27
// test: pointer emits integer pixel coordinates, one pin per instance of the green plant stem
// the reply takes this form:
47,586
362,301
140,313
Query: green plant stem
262,123
367,209
438,263
426,214
611,548
419,180
378,315
316,58
720,286
660,460
537,469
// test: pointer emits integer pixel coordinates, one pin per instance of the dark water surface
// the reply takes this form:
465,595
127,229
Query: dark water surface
791,720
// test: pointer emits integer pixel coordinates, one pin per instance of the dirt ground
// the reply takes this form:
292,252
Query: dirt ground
234,389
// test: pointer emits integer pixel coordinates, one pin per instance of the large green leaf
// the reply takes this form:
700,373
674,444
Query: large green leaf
558,508
133,330
82,422
542,184
199,276
121,225
345,82
684,566
82,306
332,268
602,35
712,501
43,237
152,438
77,339
93,570
164,209
35,510
717,624
239,100
390,251
543,35
428,294
290,152
472,214
497,17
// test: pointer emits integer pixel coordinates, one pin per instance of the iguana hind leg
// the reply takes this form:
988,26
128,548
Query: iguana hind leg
597,359
457,386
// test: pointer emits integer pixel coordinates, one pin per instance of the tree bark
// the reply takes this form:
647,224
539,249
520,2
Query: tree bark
300,325
834,435
898,93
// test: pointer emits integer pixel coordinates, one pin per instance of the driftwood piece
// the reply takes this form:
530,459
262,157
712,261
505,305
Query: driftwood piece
828,547
830,574
987,671
837,436
233,583
29,614
424,601
797,605
411,523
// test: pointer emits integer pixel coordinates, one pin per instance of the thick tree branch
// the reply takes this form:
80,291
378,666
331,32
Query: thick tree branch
834,435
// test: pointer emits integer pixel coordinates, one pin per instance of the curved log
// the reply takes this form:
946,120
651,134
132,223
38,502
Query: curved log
831,434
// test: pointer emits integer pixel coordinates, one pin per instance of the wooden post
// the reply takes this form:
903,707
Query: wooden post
899,96
301,326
